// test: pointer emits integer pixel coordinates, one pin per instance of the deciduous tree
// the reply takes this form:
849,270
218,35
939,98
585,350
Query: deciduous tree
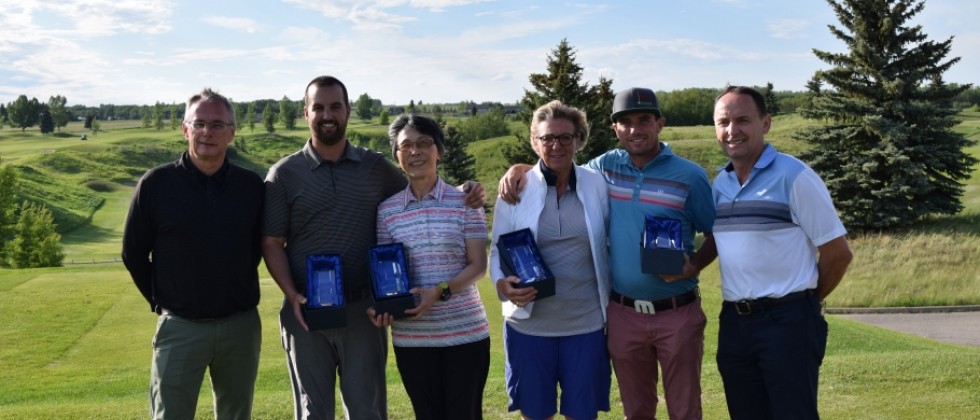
158,116
250,117
23,113
60,114
174,116
887,150
362,107
287,113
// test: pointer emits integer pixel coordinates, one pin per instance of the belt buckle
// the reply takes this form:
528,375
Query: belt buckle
743,307
644,307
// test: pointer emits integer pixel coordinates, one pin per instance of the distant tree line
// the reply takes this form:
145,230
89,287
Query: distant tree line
683,107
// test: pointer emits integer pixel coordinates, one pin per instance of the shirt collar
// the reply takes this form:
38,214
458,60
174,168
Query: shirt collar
665,153
436,194
188,165
551,178
315,160
768,155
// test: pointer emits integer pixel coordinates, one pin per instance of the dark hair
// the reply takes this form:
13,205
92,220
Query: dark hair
207,94
558,110
760,101
321,81
422,124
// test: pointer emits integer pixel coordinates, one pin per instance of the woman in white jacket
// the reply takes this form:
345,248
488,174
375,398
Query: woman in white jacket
558,341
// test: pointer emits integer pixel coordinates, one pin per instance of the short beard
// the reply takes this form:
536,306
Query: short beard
336,137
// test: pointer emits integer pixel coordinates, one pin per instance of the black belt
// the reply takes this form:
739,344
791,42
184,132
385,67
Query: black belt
745,306
652,307
165,311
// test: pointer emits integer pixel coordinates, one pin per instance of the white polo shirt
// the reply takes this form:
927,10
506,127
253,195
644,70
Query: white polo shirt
768,230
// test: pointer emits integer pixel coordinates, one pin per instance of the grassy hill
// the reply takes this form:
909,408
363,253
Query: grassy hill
75,341
87,184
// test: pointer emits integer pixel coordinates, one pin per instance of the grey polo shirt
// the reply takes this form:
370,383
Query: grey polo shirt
325,207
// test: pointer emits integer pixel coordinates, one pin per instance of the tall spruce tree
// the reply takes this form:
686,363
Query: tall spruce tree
456,164
269,119
36,243
887,151
771,103
45,122
563,81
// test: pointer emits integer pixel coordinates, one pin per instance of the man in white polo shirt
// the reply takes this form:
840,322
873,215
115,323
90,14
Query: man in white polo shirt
782,249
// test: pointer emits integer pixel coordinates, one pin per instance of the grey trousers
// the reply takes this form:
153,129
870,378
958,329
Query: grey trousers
183,349
356,354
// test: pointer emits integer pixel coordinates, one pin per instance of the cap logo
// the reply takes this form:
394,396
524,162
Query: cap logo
643,98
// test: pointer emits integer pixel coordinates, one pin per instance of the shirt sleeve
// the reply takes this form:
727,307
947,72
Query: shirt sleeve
700,203
384,235
138,239
275,216
475,224
813,209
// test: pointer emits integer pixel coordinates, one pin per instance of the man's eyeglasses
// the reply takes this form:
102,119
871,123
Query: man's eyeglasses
213,125
407,146
562,139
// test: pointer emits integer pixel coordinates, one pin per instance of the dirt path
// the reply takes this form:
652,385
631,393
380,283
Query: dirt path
961,327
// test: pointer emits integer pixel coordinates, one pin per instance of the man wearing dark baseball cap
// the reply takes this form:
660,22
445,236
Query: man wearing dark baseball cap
635,100
653,320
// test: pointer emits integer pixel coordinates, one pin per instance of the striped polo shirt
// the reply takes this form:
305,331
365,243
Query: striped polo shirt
669,187
768,230
434,232
325,207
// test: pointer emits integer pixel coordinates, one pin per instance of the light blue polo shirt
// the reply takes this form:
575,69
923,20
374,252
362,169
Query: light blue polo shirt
669,186
768,230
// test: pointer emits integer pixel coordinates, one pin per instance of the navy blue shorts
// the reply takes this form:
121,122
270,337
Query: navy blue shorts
537,366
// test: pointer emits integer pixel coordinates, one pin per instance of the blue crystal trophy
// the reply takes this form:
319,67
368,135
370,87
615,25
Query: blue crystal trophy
324,306
662,250
520,257
390,280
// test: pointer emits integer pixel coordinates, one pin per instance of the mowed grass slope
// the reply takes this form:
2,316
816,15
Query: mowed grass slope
76,345
75,341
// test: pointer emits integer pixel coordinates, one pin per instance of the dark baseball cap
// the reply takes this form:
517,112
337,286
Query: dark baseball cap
635,100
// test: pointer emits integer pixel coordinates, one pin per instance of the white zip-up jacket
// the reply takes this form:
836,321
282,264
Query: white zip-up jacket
591,189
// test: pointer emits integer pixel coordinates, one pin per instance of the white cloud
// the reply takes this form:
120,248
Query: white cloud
787,28
239,24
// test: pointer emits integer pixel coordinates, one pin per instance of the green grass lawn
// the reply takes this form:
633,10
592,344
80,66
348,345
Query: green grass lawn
75,344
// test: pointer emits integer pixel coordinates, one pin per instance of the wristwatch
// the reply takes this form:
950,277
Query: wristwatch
446,294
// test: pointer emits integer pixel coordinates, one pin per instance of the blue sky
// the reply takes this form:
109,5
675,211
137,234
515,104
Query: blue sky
140,52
